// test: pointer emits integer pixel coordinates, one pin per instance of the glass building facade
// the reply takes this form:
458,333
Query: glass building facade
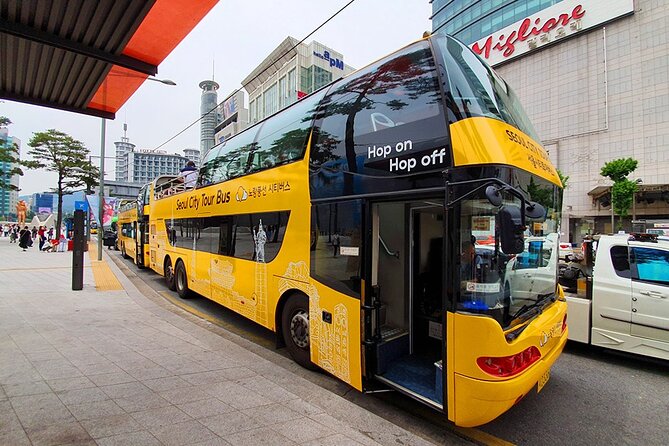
471,20
300,70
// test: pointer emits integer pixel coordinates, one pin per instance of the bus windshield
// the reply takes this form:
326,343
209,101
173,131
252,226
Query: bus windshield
476,90
509,288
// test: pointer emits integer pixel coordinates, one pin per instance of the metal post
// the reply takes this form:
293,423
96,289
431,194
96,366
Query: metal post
78,245
88,212
101,211
613,225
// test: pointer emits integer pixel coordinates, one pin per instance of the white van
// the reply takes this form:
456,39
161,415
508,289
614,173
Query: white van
629,307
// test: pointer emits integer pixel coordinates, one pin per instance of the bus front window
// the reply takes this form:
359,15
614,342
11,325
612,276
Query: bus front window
507,287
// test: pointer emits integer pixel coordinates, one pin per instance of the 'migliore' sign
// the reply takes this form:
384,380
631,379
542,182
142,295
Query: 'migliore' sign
549,25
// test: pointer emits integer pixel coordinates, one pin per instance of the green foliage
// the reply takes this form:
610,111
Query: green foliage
617,170
622,195
563,178
58,152
622,191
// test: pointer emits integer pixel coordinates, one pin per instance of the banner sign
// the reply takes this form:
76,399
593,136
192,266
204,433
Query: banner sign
554,23
109,206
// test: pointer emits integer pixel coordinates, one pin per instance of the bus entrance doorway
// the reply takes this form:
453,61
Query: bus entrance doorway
408,288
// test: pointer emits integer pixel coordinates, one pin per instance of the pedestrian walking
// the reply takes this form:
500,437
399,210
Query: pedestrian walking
13,234
25,238
335,244
41,234
33,232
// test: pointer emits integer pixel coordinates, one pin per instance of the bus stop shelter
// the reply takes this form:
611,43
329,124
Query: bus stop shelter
88,56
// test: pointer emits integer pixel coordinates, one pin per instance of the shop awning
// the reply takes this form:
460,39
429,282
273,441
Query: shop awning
644,192
88,56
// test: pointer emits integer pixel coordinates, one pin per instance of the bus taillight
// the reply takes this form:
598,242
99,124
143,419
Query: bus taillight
506,366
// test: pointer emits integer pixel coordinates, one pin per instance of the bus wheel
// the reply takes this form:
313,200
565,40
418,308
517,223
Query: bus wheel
169,276
123,253
295,330
181,280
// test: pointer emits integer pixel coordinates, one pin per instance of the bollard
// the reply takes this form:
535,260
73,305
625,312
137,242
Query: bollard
78,251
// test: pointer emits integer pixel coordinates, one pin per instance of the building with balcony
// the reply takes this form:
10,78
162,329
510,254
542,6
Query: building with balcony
289,73
144,165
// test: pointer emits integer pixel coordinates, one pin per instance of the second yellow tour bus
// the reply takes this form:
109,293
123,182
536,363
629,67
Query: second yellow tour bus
349,223
127,229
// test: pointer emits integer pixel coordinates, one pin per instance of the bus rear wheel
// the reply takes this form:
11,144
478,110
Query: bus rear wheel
169,276
295,330
181,280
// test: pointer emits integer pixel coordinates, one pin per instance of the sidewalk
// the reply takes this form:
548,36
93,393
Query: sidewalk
114,367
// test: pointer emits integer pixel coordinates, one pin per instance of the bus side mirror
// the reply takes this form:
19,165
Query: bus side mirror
511,229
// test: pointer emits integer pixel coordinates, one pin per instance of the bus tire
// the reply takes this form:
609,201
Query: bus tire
169,275
181,280
139,259
295,330
123,253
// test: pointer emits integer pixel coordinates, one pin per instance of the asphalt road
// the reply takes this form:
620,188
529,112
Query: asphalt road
594,397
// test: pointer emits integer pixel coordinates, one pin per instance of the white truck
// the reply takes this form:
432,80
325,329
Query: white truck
626,306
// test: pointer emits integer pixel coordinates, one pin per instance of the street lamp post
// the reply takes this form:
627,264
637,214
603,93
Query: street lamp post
637,181
101,211
101,203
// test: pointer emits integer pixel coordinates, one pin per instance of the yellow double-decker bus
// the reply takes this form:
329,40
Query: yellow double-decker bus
127,229
388,228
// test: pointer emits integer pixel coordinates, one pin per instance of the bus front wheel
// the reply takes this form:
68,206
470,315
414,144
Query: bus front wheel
181,280
295,330
169,276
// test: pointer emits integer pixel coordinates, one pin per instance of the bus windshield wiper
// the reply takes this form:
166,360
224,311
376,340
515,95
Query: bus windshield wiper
536,306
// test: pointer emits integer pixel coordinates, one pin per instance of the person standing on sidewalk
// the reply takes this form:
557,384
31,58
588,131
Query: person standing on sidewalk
25,237
62,243
41,233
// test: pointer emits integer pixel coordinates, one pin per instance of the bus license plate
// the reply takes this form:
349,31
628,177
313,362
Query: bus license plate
543,380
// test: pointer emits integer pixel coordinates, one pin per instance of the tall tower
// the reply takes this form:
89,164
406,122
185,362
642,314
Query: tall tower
208,115
122,148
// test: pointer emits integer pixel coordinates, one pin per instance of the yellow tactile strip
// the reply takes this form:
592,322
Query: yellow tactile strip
105,280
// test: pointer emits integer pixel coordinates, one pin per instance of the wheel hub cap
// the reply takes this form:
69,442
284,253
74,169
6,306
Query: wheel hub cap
299,329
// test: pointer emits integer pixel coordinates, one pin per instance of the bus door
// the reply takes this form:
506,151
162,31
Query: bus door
142,246
406,282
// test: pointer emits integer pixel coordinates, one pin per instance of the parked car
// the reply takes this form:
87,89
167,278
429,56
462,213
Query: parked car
565,249
532,272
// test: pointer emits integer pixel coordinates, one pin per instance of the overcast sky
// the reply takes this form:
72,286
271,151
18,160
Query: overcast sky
237,35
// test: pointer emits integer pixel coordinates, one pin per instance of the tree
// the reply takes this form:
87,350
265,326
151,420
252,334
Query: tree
622,191
9,160
563,178
58,152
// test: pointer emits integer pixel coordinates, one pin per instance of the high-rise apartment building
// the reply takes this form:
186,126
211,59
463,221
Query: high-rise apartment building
144,165
289,73
123,147
8,198
592,77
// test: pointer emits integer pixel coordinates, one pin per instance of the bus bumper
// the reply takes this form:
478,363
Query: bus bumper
478,401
